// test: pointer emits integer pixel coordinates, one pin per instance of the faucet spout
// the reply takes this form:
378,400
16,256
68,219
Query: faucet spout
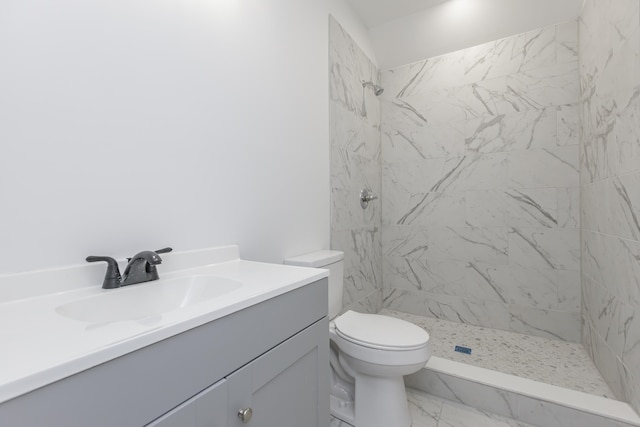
141,268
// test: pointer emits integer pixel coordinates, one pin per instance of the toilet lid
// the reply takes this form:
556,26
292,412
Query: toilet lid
377,331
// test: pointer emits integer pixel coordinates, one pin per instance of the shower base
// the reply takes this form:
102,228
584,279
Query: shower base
555,362
535,380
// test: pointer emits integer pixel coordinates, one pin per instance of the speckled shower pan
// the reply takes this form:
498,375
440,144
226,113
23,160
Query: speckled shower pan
540,381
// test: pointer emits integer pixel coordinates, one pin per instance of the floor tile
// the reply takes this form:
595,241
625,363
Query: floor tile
429,411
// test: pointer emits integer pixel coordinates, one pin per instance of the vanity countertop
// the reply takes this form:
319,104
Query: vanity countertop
41,346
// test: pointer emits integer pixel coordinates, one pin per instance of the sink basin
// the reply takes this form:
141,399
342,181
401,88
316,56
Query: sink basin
147,299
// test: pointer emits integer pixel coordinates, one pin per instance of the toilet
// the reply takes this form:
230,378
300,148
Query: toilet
370,354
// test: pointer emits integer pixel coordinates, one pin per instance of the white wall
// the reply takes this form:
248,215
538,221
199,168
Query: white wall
353,25
458,24
131,124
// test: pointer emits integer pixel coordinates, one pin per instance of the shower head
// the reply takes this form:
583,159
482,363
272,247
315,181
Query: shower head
377,90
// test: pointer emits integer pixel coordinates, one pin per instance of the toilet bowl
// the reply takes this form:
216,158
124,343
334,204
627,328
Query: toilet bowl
370,354
377,351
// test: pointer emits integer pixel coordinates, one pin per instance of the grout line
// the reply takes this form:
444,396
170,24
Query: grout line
609,235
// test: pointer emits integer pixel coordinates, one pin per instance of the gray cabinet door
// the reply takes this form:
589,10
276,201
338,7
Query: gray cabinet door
287,386
206,409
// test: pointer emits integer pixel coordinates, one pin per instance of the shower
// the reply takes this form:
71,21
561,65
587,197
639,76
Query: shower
377,90
473,254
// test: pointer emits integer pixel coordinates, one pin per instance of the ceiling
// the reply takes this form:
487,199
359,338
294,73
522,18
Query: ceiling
377,12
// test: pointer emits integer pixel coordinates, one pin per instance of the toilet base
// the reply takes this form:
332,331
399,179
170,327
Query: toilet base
381,402
341,401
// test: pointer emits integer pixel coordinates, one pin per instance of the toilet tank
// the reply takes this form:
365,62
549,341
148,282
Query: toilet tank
332,261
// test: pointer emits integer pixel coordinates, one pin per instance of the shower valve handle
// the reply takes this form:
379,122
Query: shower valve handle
365,197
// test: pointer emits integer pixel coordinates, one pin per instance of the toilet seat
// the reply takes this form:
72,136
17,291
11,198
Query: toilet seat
380,332
390,344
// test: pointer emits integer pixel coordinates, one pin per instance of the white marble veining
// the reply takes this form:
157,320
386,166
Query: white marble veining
556,44
614,259
509,132
562,325
423,76
453,308
536,207
567,125
466,275
569,207
492,159
609,51
411,176
542,87
614,206
548,323
430,411
545,248
453,415
349,66
426,209
369,304
481,206
355,144
560,165
466,244
362,260
522,399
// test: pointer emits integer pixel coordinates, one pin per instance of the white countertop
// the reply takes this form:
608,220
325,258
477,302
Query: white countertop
40,346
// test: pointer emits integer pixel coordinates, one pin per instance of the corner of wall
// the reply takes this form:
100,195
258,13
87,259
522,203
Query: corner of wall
348,19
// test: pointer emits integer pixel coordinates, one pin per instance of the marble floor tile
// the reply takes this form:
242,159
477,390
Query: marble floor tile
429,411
424,409
555,362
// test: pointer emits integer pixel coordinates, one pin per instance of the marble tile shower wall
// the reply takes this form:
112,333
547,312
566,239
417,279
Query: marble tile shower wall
480,184
355,164
609,49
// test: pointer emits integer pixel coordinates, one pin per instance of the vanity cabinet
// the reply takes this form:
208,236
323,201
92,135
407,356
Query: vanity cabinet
280,388
206,409
272,357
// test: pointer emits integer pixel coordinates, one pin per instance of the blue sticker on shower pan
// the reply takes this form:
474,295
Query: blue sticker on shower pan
461,349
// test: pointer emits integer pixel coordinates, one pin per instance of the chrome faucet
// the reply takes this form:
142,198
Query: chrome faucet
140,268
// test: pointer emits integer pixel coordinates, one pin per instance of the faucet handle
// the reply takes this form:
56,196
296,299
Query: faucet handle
112,277
159,251
106,259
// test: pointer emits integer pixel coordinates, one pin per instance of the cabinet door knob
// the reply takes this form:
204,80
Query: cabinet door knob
245,415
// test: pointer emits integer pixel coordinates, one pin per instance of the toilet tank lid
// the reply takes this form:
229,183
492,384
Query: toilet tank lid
316,259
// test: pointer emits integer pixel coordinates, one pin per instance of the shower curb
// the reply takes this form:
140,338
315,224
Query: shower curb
525,400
